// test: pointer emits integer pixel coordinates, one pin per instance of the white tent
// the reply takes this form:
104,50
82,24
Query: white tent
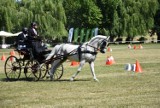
4,34
8,34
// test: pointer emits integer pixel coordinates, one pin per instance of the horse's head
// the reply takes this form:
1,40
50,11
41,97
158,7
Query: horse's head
102,45
99,42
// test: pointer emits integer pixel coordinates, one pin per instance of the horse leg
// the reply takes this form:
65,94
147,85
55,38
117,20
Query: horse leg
50,74
92,71
78,70
54,66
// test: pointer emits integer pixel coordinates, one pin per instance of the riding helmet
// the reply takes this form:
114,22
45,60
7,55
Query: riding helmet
25,30
33,24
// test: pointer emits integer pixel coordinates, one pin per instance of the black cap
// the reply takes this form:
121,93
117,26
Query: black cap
25,30
33,24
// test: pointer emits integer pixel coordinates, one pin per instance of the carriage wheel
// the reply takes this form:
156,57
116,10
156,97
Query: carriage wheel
44,70
12,68
32,70
58,73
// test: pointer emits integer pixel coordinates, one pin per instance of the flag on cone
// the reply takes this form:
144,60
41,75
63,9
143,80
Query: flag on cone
133,67
3,58
134,47
74,63
130,67
129,46
140,46
12,59
110,60
138,67
111,57
12,53
109,49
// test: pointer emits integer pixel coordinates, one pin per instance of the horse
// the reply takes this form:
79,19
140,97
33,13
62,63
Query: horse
81,53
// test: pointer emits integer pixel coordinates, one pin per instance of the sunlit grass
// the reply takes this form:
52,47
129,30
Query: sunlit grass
117,87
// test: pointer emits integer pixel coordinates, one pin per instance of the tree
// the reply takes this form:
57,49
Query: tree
8,15
127,17
82,13
113,13
116,17
49,14
156,28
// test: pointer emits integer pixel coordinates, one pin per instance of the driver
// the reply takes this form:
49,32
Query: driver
32,32
34,40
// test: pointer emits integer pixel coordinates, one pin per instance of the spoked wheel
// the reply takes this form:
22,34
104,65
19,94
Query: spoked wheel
44,69
32,70
12,68
58,72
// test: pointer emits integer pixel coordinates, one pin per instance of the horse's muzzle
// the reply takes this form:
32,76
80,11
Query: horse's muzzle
103,50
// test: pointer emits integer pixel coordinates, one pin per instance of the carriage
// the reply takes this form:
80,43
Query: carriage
36,65
32,64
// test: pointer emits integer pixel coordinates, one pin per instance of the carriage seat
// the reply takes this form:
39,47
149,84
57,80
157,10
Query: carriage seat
21,47
45,52
42,55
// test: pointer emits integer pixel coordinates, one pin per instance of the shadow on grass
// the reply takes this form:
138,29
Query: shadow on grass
76,80
42,80
20,79
64,80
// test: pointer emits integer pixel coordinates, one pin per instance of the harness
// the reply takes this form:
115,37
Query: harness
80,52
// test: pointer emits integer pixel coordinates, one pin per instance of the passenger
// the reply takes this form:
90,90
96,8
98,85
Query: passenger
21,40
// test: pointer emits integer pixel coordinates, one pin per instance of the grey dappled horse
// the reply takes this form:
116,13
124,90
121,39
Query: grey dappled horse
81,53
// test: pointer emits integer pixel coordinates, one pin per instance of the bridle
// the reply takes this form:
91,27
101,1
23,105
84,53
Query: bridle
79,51
97,48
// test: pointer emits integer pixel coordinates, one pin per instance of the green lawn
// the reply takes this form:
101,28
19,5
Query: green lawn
116,87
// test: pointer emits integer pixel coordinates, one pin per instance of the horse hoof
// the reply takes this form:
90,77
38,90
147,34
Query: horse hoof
47,77
51,79
96,80
71,79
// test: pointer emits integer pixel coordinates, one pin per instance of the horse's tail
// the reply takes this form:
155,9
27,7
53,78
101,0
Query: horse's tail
52,53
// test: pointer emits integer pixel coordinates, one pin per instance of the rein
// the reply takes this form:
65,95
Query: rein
97,47
92,46
90,52
78,51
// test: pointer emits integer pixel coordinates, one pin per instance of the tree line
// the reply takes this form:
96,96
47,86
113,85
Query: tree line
116,18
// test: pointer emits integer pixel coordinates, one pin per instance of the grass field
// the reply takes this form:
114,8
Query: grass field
116,88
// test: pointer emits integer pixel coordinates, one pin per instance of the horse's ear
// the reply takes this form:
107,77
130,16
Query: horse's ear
108,38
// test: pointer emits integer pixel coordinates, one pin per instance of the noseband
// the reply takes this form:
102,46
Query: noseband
102,44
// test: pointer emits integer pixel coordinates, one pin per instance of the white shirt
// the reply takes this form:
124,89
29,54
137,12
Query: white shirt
35,32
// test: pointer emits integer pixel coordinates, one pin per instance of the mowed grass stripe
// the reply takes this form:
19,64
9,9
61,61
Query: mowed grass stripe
117,87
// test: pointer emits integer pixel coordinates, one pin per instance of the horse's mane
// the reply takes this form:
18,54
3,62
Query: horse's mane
98,36
92,39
